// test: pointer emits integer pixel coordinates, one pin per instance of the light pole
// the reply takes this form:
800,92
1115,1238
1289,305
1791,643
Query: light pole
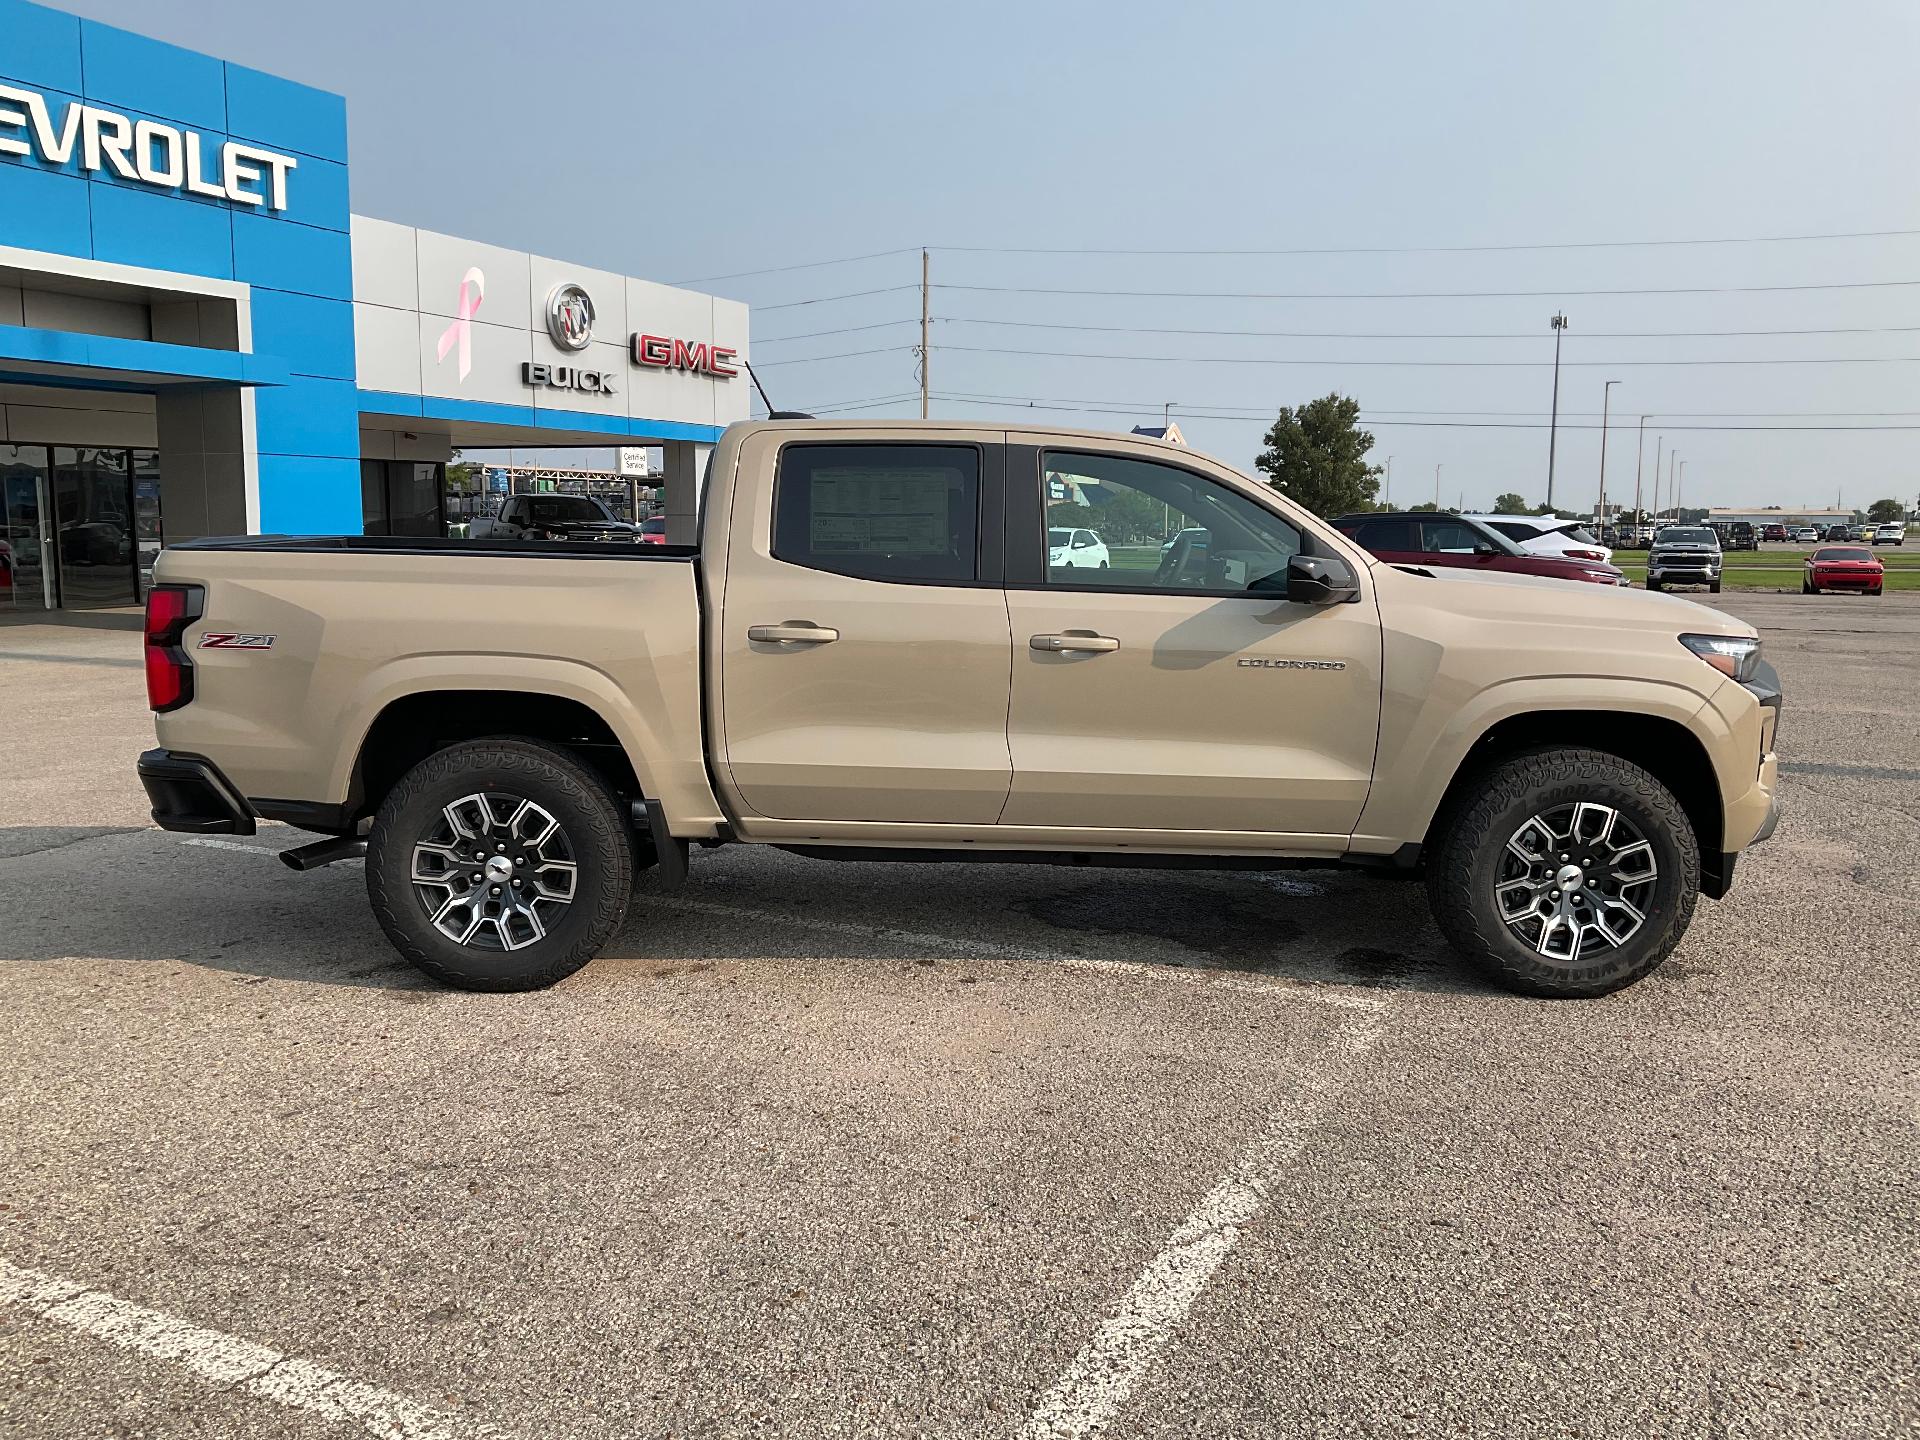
1559,323
1387,503
1658,443
1606,396
1673,460
1639,458
1679,489
1436,487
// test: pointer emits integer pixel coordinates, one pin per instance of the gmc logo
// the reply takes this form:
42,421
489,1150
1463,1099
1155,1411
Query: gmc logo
663,352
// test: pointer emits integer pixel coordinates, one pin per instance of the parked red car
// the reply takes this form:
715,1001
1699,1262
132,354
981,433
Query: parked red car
1844,567
1431,538
654,531
1773,532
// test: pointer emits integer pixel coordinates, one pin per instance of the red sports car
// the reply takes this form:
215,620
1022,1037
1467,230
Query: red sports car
1843,567
1437,538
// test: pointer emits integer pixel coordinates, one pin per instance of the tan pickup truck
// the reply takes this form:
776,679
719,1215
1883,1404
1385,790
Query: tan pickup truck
952,641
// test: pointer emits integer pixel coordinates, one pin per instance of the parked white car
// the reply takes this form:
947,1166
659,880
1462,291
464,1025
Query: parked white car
1893,533
1549,535
1807,535
1076,550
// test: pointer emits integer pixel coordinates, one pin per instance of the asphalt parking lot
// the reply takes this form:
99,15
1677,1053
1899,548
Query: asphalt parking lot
955,1151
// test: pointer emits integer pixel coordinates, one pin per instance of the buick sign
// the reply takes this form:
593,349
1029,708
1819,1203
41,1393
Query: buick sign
569,317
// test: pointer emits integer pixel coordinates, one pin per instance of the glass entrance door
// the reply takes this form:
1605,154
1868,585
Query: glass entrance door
23,489
92,507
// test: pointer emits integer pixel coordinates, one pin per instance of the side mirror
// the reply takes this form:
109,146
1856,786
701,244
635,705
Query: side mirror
1484,550
1320,580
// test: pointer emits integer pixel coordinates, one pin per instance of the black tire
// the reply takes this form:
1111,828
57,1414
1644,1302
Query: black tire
1806,586
592,831
1465,860
1714,588
1653,585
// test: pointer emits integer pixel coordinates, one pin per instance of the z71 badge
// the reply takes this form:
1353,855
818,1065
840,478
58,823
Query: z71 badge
227,640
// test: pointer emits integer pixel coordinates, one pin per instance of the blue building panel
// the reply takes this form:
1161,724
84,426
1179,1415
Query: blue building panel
315,335
285,115
309,495
151,228
308,417
42,46
316,195
45,210
133,72
272,252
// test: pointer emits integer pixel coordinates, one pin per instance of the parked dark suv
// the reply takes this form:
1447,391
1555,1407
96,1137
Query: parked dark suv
1436,538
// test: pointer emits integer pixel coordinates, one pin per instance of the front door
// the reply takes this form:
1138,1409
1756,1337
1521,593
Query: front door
863,633
1176,689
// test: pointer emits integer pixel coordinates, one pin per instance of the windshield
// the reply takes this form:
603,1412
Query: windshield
1834,554
655,526
1687,535
546,508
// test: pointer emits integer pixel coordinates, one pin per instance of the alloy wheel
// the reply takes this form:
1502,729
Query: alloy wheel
495,872
1576,880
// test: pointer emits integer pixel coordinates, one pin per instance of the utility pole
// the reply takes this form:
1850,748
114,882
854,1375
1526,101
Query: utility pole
1673,459
1606,396
1679,489
1639,459
1387,503
924,358
1436,487
1559,323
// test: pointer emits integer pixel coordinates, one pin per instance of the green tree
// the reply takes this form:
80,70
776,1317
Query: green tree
1884,512
1317,454
1509,504
1424,505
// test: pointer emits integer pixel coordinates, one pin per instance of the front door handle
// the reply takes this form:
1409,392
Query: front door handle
793,632
1075,642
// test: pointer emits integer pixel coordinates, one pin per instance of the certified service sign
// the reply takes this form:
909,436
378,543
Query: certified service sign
569,317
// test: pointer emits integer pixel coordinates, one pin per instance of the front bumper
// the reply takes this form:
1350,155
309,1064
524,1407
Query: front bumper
188,793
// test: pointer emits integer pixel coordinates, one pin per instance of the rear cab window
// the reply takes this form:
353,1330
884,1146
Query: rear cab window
904,513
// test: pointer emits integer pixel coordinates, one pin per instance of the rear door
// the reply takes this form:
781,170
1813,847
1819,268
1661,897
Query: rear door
1178,690
862,631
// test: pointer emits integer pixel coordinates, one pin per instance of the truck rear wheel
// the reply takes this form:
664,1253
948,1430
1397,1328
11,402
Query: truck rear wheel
1565,873
500,864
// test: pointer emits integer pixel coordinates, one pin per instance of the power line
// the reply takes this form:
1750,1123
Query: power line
1504,414
1312,250
850,295
1417,334
843,330
1422,294
803,265
841,355
1419,364
1443,249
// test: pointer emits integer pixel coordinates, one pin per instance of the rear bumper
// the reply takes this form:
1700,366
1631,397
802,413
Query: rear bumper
188,793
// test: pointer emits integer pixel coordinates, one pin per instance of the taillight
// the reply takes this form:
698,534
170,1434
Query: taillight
170,609
1588,554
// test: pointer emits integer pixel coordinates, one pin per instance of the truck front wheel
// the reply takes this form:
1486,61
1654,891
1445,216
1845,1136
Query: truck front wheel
500,864
1565,873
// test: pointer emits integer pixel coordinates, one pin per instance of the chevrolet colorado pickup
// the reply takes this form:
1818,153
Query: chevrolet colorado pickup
872,653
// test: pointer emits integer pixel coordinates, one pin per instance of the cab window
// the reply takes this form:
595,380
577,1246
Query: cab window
1142,525
880,512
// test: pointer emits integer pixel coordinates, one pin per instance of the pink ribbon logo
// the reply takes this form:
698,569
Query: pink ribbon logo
473,286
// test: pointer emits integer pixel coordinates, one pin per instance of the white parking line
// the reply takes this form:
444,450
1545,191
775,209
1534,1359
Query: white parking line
989,950
228,1360
1103,1374
212,844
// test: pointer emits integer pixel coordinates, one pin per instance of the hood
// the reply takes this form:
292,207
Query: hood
1501,596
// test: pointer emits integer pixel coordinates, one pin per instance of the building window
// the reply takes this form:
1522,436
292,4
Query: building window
403,497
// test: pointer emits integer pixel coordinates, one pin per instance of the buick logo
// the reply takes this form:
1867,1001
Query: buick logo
569,317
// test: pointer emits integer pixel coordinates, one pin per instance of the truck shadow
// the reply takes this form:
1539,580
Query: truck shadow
232,908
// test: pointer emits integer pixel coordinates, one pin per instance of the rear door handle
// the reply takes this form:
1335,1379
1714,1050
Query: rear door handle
793,632
1078,642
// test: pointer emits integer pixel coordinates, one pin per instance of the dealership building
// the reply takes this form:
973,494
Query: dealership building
198,336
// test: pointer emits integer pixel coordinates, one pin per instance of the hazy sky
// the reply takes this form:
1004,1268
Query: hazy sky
683,142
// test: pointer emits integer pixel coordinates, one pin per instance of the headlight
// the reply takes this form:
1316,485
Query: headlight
1737,656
